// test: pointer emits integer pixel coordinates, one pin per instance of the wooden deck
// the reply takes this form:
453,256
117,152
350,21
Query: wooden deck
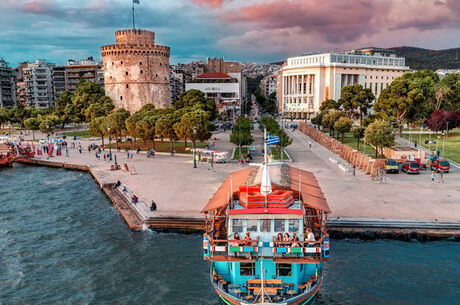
285,260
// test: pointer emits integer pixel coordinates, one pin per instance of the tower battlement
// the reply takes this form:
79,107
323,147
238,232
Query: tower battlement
135,37
136,70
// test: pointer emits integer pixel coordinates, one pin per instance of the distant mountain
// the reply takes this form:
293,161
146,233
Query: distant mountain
420,59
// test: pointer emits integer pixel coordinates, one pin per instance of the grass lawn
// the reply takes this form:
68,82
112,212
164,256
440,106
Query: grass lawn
164,146
80,134
452,145
244,152
363,146
276,154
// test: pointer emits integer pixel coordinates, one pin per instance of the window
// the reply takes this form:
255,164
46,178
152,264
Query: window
265,225
127,86
381,87
284,269
160,64
247,269
156,74
121,62
142,71
237,225
126,72
293,225
279,225
251,225
140,63
376,87
121,98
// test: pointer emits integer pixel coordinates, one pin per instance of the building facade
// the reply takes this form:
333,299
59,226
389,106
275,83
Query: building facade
7,85
136,71
307,81
178,77
269,84
59,80
223,88
38,79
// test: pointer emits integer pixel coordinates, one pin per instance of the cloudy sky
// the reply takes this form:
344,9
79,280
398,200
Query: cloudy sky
245,30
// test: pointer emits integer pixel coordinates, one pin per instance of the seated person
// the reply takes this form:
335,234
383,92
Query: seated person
295,238
117,184
310,238
153,206
235,237
287,239
248,237
279,237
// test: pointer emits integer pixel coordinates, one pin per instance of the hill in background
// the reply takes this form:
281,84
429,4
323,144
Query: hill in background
420,59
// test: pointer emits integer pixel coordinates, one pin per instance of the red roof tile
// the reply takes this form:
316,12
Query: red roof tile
213,75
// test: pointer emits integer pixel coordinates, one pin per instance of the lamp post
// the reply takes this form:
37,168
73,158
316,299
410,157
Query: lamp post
194,147
110,148
47,131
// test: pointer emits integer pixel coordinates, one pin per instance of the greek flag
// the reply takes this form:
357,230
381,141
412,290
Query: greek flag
272,139
136,1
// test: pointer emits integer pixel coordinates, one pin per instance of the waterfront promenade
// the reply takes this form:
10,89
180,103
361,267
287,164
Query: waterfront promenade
181,191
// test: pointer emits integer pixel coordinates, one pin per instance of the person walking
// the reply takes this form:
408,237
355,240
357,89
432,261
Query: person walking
441,177
433,176
105,158
309,143
66,152
211,162
79,148
354,170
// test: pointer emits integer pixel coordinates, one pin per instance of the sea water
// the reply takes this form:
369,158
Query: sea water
62,242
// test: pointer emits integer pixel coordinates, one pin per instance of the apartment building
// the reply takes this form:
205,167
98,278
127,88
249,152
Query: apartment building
38,78
7,85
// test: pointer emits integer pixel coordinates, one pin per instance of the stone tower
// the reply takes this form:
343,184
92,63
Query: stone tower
136,71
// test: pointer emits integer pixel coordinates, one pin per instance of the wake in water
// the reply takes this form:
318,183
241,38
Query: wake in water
60,181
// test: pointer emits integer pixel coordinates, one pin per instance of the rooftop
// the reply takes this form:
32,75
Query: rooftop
214,75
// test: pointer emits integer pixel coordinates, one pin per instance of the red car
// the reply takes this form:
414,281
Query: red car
440,166
411,167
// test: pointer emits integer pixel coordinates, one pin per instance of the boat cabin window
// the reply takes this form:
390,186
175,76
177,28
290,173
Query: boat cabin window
247,269
237,225
251,225
284,269
279,225
265,225
293,225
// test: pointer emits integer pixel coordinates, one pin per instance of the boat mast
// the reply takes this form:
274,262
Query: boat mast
265,185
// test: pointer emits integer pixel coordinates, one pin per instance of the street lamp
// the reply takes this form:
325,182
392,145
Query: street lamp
194,147
47,131
110,148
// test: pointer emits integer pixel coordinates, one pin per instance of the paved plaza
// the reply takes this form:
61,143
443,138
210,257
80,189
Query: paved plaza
181,190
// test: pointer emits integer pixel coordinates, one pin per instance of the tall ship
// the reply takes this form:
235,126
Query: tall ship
266,238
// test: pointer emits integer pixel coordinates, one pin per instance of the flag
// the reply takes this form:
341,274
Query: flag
272,139
136,1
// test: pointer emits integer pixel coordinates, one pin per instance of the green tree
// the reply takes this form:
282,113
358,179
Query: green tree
284,142
46,126
65,108
355,97
190,98
379,134
269,123
451,96
343,125
241,133
165,128
103,107
330,118
32,124
86,94
4,117
328,105
98,127
358,133
117,121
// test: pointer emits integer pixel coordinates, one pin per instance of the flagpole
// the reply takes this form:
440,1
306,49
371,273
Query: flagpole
134,27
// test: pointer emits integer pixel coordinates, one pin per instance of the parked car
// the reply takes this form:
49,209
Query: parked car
391,166
440,166
411,167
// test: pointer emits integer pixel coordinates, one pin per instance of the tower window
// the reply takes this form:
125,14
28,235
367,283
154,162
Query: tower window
127,86
113,63
121,98
142,71
122,62
126,72
156,74
160,64
140,63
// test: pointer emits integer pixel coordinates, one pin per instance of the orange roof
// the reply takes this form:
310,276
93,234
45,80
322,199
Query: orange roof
213,75
312,196
231,184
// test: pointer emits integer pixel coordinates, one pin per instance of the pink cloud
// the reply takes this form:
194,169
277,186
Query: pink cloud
37,6
210,3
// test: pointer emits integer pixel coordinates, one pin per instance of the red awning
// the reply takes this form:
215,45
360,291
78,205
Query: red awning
312,196
222,195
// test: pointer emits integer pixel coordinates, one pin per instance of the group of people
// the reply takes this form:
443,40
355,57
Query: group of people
433,177
280,240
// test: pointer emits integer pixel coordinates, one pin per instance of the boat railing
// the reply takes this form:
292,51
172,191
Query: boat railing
231,247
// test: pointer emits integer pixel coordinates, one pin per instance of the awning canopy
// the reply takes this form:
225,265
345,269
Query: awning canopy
312,196
231,184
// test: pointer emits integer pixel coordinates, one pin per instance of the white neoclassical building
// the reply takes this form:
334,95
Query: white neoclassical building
306,81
